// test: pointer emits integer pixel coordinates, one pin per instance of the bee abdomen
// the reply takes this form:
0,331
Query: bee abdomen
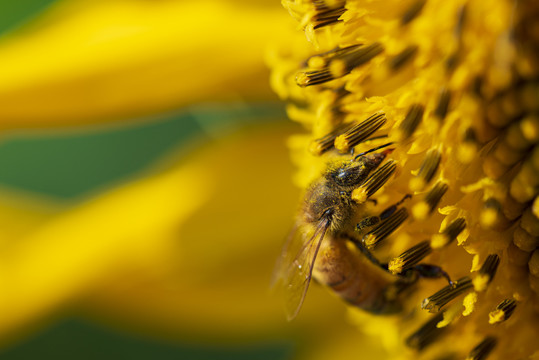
354,278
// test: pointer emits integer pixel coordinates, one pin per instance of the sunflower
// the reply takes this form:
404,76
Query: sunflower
451,88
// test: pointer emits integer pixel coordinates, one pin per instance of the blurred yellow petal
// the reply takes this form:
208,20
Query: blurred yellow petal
72,252
21,214
217,282
93,60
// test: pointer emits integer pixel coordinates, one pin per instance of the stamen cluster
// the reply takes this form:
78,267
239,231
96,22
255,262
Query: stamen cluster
454,85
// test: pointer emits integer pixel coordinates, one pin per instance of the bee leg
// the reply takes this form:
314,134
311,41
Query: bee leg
370,221
359,245
367,223
431,272
390,210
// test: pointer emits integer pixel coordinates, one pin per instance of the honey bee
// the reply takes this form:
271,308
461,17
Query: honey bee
324,244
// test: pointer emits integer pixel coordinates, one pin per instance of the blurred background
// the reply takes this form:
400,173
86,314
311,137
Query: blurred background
145,184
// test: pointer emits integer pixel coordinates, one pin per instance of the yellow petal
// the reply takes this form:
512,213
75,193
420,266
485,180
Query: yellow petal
76,250
93,60
20,214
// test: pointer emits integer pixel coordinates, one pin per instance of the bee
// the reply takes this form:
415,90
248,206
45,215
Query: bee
324,243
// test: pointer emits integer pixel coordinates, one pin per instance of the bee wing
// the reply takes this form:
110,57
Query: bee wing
278,271
295,266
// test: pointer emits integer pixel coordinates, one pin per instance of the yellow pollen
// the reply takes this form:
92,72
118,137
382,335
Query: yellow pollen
530,128
466,152
438,241
496,316
369,240
316,148
359,195
480,282
417,184
395,265
302,79
421,210
342,144
488,218
469,302
337,68
450,315
476,265
316,62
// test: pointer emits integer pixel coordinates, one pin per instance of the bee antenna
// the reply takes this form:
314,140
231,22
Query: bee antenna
374,149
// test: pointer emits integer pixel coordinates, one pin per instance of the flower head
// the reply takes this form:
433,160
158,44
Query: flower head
452,88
